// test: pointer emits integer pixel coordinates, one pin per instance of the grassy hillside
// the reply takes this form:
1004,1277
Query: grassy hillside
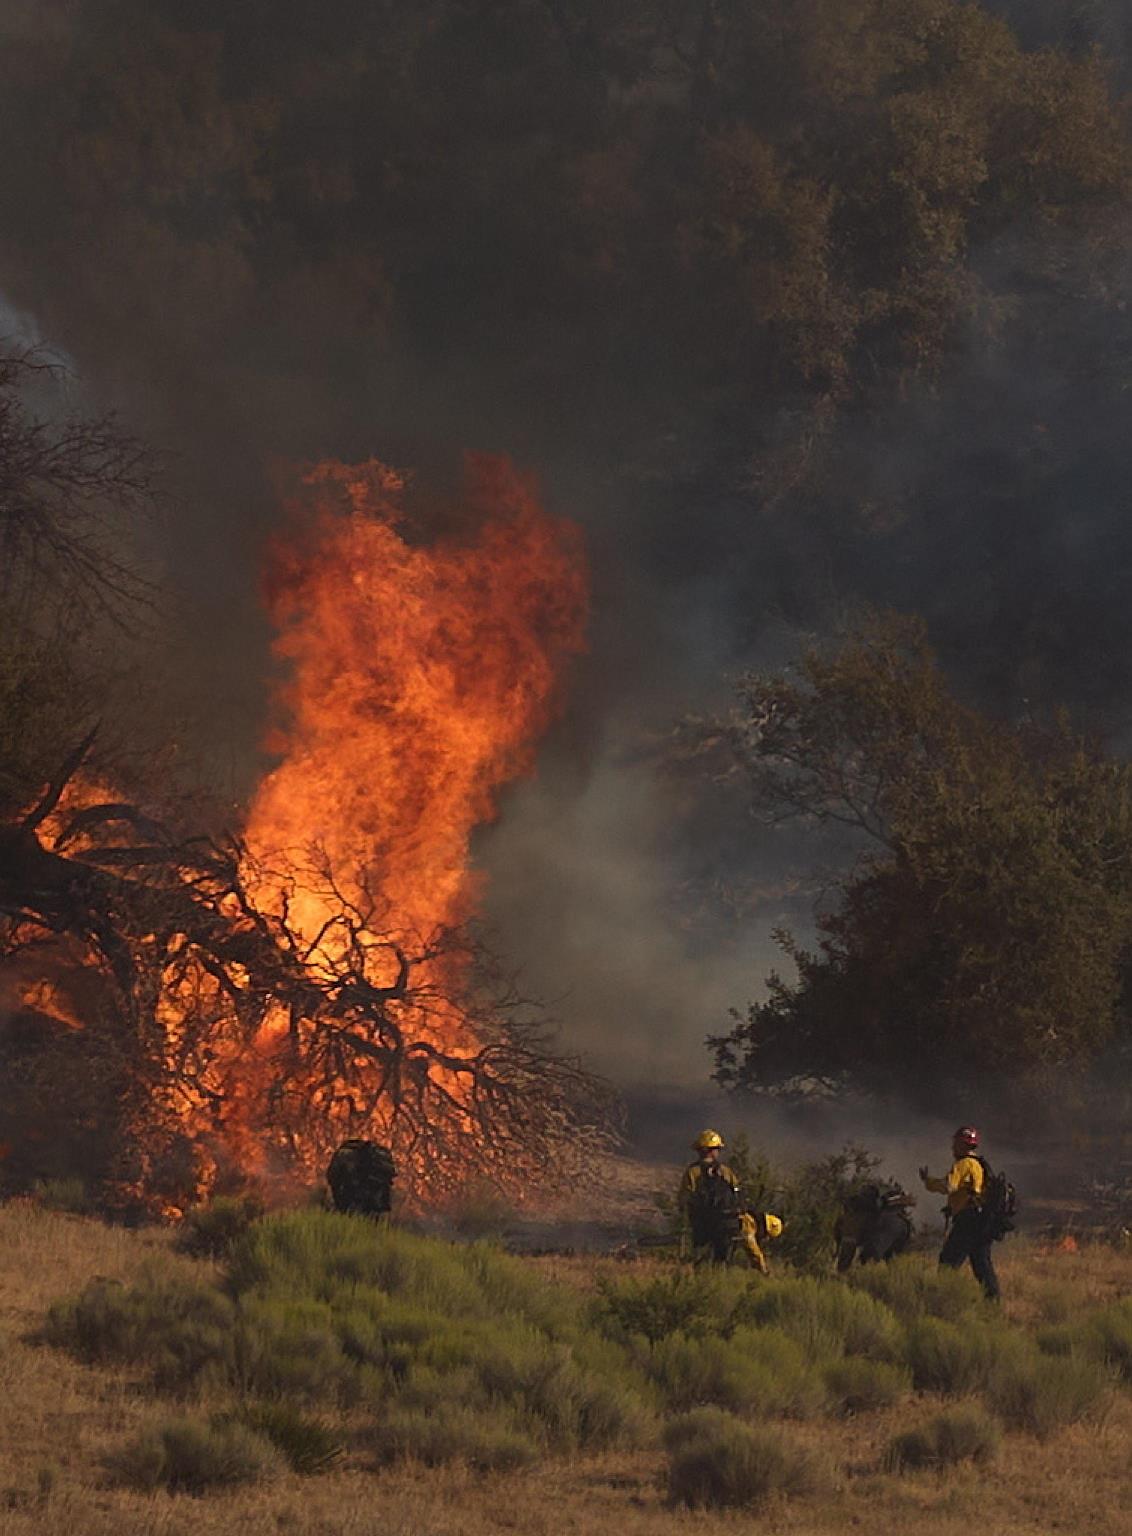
326,1376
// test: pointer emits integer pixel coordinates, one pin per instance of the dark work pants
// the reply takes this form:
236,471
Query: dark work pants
967,1240
716,1236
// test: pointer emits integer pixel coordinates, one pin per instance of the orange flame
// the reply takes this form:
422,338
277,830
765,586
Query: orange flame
418,679
421,679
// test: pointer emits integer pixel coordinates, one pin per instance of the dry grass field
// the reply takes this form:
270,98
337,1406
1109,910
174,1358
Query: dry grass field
63,1420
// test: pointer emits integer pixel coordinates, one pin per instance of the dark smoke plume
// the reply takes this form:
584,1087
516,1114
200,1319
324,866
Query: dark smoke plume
603,240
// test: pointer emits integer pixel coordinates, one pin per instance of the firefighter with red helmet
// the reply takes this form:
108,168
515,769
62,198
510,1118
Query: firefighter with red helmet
968,1237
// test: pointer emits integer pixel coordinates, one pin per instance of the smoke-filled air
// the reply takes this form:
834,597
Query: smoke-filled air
564,574
565,767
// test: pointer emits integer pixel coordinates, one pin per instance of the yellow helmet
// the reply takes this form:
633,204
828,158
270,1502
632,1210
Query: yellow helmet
773,1225
706,1140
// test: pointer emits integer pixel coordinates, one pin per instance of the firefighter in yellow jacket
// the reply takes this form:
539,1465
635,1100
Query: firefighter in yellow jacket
754,1231
711,1201
968,1238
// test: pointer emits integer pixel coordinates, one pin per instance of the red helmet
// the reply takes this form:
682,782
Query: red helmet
966,1136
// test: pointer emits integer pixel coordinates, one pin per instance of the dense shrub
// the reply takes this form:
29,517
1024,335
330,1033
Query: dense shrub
824,1318
321,1309
1104,1336
452,1432
308,1445
173,1328
685,1301
957,1360
855,1385
1043,1393
1110,1337
1057,1302
716,1460
290,1347
965,1433
209,1231
186,1456
1061,1339
756,1370
453,1353
326,1255
915,1287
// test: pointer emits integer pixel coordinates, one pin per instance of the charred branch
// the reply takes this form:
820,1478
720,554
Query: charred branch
380,1031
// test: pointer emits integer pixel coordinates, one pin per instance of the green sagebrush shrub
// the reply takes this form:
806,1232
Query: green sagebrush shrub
188,1456
324,1311
717,1460
1042,1394
686,1301
308,1445
1109,1334
914,1287
756,1370
1104,1336
960,1359
855,1385
210,1231
964,1433
174,1328
485,1438
826,1318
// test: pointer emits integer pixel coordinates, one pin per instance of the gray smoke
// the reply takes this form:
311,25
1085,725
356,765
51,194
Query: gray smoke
993,499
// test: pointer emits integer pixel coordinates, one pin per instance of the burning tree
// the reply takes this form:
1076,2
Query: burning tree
251,999
253,1048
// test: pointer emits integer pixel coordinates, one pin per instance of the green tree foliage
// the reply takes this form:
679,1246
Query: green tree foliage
985,928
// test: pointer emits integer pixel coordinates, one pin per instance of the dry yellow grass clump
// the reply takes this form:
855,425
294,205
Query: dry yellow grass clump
66,1424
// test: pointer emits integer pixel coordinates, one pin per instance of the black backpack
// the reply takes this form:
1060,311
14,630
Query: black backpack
1000,1202
716,1203
360,1176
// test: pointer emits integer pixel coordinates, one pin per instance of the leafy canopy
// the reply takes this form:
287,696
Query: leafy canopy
984,930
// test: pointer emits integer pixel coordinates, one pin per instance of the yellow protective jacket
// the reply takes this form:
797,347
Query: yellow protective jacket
963,1186
749,1237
